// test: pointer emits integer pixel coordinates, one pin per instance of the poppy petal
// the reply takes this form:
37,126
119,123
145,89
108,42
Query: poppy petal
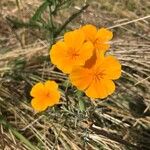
91,61
97,89
74,39
86,52
37,90
102,47
59,57
100,88
59,50
80,77
38,104
111,67
53,98
104,35
51,85
110,86
90,32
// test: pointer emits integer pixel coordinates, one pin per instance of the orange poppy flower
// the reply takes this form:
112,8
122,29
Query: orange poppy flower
96,79
44,95
99,38
71,52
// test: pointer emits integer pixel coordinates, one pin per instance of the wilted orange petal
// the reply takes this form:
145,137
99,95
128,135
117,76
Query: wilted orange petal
38,104
37,90
104,35
111,67
74,39
90,32
80,77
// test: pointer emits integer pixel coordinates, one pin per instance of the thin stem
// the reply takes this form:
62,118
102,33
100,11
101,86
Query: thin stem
69,20
51,24
66,95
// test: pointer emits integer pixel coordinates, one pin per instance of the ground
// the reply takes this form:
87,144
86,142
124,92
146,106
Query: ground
120,122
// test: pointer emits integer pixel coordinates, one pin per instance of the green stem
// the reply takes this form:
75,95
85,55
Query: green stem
69,20
52,25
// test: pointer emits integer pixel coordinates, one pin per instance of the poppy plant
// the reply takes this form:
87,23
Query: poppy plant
96,79
72,51
44,95
100,38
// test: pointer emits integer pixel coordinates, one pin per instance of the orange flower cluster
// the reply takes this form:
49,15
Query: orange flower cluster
81,54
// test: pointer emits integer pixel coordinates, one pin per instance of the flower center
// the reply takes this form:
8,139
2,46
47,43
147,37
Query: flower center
73,54
48,94
98,75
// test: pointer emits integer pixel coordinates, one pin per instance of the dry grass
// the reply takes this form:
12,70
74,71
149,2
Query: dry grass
121,122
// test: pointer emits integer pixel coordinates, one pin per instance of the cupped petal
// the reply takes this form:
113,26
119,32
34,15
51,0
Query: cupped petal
37,90
39,104
90,32
104,35
91,61
95,60
85,52
111,68
80,77
74,39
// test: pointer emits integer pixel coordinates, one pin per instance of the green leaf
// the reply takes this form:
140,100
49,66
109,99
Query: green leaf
39,11
82,105
20,24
